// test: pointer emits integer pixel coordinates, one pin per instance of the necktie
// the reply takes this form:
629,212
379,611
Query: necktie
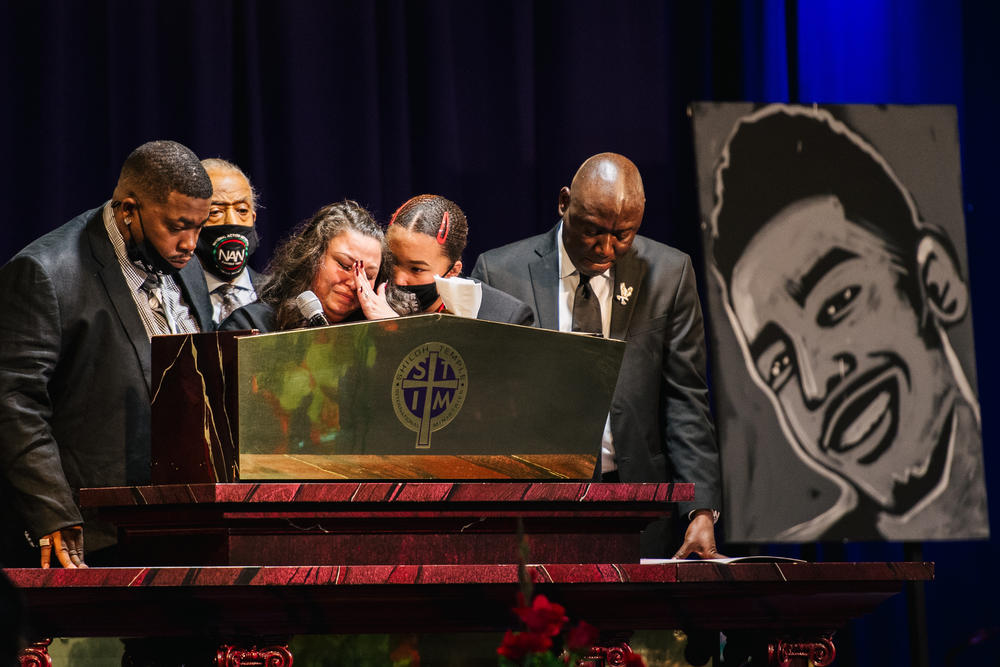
229,300
154,294
586,309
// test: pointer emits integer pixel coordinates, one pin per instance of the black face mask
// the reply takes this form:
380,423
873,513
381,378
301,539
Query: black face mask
426,294
225,249
145,255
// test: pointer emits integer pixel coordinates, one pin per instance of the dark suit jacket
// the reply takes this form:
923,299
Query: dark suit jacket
660,418
74,377
257,315
498,306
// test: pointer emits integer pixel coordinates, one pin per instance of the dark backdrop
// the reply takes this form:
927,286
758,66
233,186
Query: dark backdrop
494,104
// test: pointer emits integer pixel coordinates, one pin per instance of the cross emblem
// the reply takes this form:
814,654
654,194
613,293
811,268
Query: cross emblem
428,386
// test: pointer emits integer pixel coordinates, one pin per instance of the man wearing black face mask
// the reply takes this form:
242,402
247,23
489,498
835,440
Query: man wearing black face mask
79,308
229,239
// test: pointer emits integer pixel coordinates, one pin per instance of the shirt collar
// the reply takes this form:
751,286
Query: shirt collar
134,275
243,282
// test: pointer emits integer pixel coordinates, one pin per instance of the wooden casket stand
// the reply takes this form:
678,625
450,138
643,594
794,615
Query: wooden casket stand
218,571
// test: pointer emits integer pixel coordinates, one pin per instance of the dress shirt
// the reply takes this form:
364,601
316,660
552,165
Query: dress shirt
601,284
243,291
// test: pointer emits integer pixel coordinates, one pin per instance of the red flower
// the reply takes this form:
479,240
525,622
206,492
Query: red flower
544,617
581,637
516,645
634,660
406,652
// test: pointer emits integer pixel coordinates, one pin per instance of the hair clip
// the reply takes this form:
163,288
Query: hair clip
393,218
442,234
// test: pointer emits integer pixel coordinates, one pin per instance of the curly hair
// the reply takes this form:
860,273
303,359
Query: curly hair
298,258
782,154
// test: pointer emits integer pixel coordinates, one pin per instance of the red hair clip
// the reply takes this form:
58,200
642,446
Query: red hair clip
442,235
393,218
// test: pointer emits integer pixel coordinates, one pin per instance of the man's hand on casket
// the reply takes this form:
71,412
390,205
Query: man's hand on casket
699,539
67,543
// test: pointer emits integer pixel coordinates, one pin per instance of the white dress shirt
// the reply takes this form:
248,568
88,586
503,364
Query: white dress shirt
569,279
602,285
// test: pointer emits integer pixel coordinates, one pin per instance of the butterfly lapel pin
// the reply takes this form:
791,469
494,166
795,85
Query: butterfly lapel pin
624,293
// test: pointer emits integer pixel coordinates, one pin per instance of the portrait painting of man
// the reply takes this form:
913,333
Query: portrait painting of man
844,371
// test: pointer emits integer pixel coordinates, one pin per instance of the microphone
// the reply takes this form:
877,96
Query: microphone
311,309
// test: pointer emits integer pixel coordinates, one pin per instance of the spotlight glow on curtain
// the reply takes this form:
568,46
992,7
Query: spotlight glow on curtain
879,51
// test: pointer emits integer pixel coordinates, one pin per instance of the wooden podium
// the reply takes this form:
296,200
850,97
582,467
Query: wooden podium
424,397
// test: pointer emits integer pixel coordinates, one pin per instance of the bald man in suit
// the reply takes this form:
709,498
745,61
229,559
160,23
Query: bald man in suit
592,272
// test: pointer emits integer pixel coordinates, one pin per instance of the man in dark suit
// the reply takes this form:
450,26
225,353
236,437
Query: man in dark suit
228,241
80,305
593,273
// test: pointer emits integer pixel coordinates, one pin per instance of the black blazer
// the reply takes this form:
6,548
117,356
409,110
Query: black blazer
74,376
660,417
257,315
498,306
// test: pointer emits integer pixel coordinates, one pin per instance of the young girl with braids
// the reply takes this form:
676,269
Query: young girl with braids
426,236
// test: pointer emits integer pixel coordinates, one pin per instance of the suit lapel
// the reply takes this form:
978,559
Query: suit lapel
114,283
191,280
629,274
544,273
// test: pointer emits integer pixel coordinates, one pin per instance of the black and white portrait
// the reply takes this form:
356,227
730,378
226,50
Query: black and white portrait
843,360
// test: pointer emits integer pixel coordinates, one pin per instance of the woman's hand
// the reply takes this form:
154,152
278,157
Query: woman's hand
373,304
